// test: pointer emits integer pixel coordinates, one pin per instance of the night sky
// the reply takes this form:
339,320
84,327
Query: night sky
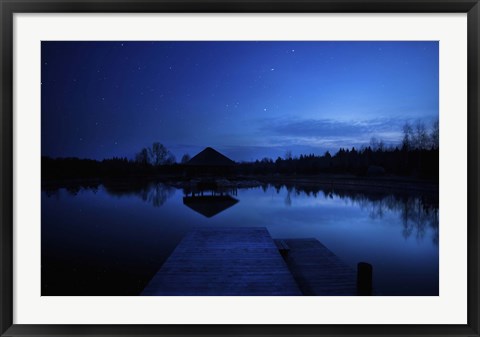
248,100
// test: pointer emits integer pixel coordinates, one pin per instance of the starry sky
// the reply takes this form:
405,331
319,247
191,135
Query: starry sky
247,99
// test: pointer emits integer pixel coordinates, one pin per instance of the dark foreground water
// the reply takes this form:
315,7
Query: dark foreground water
112,240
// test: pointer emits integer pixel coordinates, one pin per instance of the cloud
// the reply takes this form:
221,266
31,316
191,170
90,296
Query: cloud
326,129
330,134
272,137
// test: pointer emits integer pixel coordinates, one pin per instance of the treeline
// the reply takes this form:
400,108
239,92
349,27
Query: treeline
149,161
76,168
416,156
421,163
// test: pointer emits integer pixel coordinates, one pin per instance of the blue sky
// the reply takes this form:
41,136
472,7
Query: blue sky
246,99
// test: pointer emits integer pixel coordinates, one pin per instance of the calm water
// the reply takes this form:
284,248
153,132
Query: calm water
111,241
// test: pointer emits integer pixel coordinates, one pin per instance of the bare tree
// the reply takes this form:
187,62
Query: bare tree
421,138
407,142
376,145
434,135
142,157
185,158
155,155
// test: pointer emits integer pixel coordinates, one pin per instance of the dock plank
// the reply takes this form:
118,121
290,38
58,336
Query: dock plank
317,270
224,262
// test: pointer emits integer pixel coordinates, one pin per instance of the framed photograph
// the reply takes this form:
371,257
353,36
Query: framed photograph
239,168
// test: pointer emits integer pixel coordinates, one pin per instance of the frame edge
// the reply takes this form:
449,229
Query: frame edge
7,328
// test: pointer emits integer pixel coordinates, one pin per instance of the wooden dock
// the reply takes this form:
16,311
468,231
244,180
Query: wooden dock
224,262
317,270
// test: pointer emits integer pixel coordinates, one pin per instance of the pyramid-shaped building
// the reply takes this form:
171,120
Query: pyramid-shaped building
209,162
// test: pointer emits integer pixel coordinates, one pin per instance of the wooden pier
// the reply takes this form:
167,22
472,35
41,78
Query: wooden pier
317,270
248,262
224,262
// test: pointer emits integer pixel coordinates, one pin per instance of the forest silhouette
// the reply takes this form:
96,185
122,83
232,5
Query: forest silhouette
417,156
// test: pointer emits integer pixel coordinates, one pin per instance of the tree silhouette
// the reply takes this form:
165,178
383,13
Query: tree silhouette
434,135
156,155
185,158
421,139
417,137
407,142
417,156
142,157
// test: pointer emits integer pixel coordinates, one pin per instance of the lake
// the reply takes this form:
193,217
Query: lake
112,239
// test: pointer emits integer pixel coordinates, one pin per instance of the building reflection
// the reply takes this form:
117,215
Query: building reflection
209,200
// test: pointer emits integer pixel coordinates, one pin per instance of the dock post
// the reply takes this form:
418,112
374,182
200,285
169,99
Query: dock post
364,279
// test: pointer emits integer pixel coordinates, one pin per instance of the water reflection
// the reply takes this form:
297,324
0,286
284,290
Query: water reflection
209,205
209,199
154,193
417,211
110,238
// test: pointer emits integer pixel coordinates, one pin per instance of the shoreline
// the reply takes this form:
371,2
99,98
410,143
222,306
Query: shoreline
349,182
370,183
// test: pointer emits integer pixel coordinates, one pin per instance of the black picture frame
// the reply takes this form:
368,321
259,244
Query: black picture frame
7,10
